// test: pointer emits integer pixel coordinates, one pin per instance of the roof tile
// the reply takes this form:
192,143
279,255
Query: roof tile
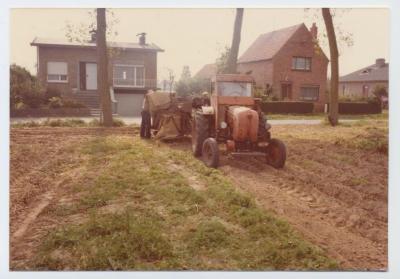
63,42
268,44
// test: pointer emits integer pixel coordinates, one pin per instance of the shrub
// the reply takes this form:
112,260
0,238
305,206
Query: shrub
24,88
380,91
372,107
50,93
287,107
55,102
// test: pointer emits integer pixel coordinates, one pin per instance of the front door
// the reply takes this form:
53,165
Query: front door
286,90
91,76
365,91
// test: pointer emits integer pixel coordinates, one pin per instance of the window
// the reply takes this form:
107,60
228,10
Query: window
366,71
57,72
238,89
301,63
309,93
128,75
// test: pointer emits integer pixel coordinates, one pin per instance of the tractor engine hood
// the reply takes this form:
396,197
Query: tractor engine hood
243,122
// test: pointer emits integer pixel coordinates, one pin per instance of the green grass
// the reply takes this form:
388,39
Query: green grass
370,138
383,116
65,123
141,214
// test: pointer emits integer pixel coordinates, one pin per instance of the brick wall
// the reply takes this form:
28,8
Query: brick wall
261,71
301,44
278,70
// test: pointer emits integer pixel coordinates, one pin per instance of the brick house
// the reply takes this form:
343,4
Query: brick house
361,83
207,71
71,69
288,62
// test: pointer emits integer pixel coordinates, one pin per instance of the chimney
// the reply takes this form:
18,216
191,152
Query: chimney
92,36
314,31
142,38
380,62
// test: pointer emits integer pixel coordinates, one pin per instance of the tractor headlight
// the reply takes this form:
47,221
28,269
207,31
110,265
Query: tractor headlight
223,125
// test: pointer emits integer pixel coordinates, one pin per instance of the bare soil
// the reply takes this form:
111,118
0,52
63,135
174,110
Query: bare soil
334,195
43,165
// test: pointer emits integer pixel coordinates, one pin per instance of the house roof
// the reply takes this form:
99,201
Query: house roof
268,44
374,72
65,43
208,71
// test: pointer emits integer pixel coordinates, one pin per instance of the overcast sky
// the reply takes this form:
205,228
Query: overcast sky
196,37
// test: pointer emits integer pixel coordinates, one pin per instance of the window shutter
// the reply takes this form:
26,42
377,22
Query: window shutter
57,68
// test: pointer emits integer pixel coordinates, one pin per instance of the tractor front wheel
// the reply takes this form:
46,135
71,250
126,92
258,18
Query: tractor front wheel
276,153
210,153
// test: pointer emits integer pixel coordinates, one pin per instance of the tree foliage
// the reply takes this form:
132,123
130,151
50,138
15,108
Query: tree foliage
186,74
24,88
81,32
344,38
191,87
222,61
380,91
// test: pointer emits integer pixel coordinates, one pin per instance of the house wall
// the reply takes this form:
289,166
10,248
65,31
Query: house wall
301,44
75,55
261,71
60,54
355,89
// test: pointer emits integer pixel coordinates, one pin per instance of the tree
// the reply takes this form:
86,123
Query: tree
333,116
186,73
222,61
234,50
171,77
102,68
191,86
79,33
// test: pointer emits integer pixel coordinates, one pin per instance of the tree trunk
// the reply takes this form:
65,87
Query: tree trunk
102,68
333,96
233,54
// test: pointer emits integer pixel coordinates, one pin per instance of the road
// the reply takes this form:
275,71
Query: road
136,120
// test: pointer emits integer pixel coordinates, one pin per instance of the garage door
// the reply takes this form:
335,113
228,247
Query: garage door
129,104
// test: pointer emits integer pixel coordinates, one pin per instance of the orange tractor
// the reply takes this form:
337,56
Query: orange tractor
231,115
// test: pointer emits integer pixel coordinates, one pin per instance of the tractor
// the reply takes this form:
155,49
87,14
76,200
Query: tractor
232,115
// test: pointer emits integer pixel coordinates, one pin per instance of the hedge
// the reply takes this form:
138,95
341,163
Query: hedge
359,108
44,112
287,107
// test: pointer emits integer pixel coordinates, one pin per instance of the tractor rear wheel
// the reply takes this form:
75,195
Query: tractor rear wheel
145,126
210,153
200,131
276,153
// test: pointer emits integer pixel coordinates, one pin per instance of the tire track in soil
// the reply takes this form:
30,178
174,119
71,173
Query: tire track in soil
347,221
321,218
